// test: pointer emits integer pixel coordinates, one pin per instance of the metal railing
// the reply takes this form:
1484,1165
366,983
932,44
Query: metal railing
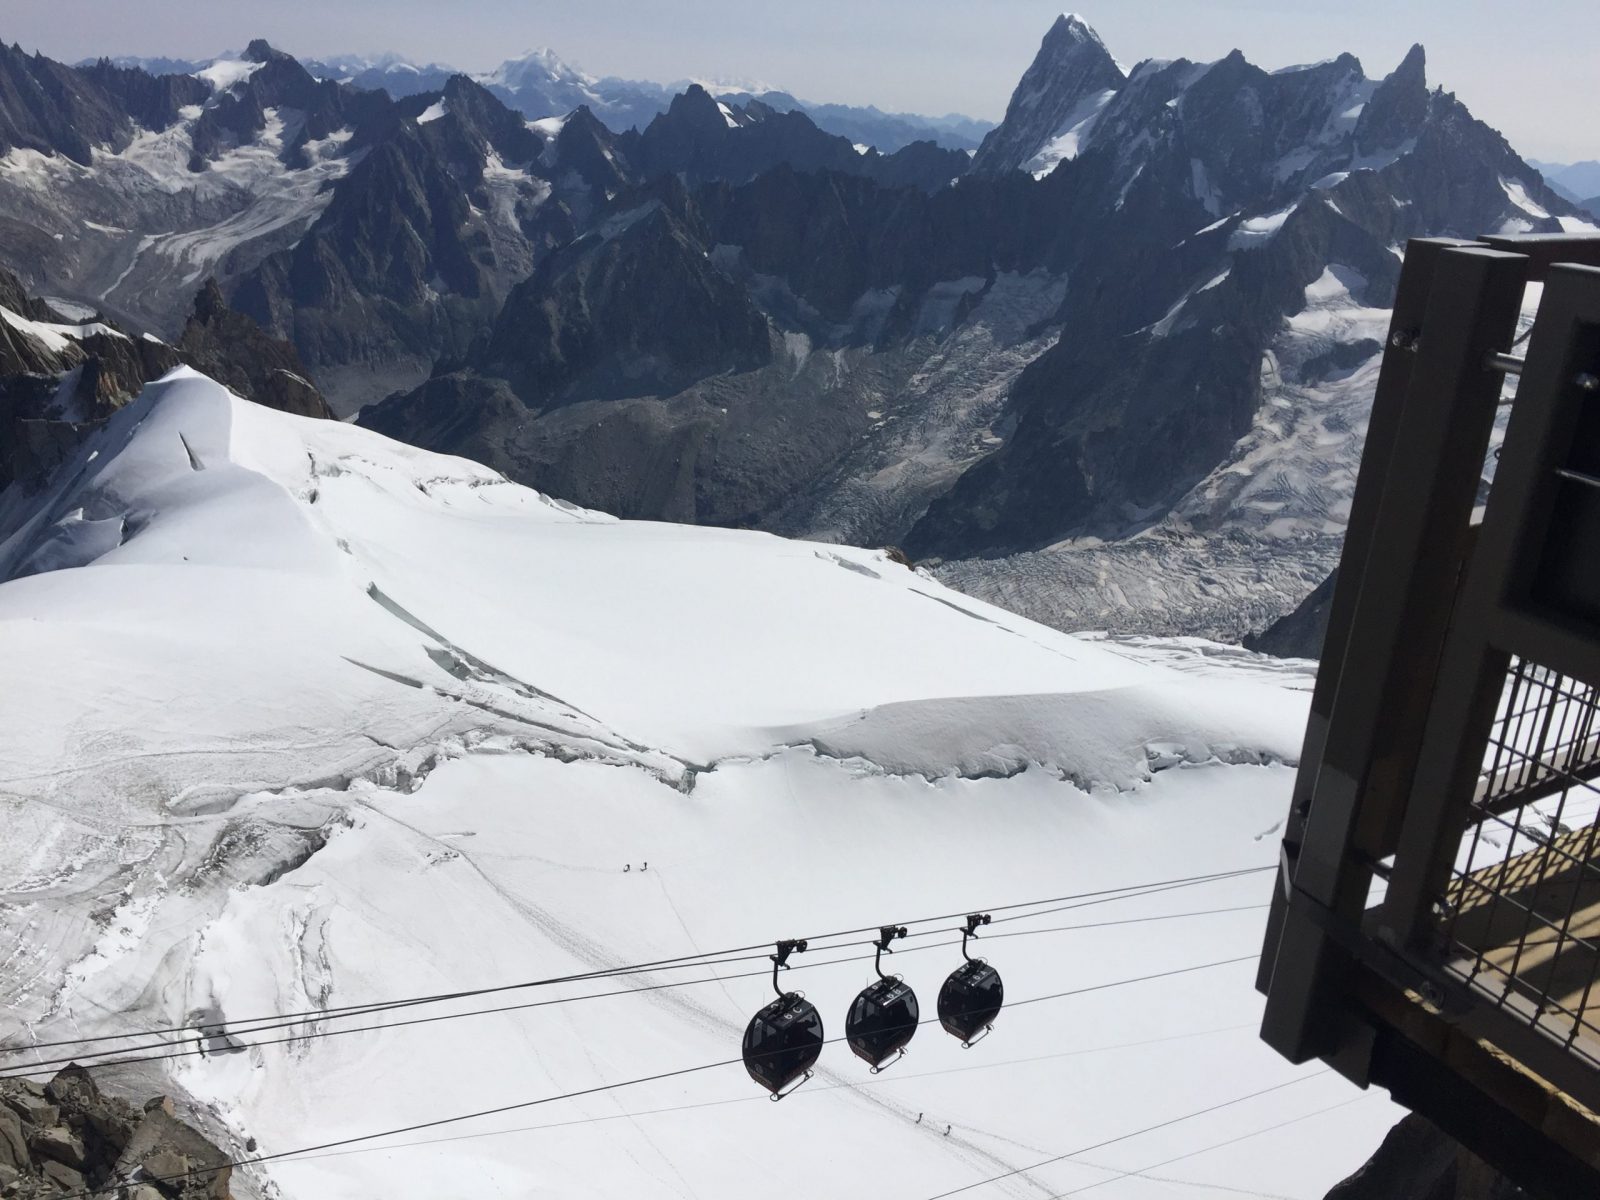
1437,923
1520,917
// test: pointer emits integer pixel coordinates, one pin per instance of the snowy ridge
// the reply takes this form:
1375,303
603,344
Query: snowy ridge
54,336
153,499
402,737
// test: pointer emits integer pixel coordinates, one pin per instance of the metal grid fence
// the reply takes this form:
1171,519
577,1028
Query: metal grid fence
1520,917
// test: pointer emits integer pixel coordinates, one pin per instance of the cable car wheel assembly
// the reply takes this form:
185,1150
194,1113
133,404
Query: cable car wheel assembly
784,1040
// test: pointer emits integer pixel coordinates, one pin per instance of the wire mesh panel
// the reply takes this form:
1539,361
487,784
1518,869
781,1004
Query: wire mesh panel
1521,914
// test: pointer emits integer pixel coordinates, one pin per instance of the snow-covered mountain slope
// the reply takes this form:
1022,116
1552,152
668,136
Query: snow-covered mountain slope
315,719
1056,103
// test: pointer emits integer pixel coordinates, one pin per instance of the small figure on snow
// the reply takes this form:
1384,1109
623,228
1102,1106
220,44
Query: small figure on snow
626,867
646,867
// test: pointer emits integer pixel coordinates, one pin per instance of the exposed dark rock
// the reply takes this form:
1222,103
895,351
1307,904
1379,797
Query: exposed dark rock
474,125
68,1136
236,352
58,1143
423,226
52,391
586,147
1417,1161
49,107
701,138
153,101
1101,447
1191,225
677,290
57,387
1398,107
391,268
540,85
1298,634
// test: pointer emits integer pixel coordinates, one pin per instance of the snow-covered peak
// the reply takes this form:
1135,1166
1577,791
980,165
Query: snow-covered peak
1074,27
536,67
724,86
1069,81
354,64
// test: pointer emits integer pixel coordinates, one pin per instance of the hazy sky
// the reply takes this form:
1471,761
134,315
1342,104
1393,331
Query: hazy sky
1526,69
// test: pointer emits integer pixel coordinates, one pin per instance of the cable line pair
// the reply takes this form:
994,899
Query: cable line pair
784,1040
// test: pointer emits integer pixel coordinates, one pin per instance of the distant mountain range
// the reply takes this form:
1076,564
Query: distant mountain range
1110,370
378,234
1578,182
1117,374
540,84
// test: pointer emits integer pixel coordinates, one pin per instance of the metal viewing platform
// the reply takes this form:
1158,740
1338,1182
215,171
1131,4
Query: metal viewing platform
1436,928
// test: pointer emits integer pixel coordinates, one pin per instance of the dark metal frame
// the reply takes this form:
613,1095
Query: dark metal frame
1429,611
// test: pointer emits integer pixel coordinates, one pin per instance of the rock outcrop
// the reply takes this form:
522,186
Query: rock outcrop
1418,1161
68,1137
235,351
1298,634
62,378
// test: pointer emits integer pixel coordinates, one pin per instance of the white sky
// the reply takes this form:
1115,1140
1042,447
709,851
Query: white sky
1527,70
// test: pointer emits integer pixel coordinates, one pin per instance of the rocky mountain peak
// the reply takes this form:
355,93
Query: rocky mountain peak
696,108
537,66
1398,107
230,347
586,146
1071,73
1070,26
582,124
261,51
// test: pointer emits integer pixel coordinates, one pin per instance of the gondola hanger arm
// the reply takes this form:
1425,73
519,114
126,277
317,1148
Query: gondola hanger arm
886,934
780,960
971,931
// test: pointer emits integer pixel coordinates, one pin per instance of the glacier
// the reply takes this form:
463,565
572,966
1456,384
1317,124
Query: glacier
305,717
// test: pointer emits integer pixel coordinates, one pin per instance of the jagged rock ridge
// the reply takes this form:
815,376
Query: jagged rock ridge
1223,241
377,235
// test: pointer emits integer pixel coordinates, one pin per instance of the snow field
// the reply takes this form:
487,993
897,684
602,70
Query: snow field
326,720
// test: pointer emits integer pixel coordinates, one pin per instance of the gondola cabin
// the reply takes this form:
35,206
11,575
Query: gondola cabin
882,1020
970,1000
782,1042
